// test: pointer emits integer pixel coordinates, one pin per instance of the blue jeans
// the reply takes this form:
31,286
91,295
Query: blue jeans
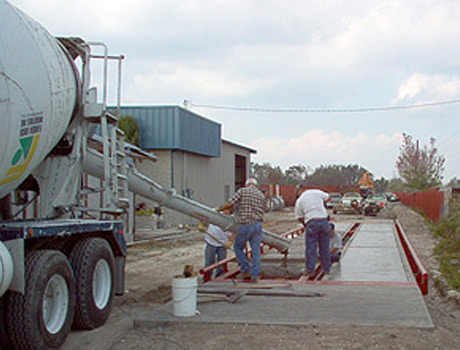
318,233
211,253
252,234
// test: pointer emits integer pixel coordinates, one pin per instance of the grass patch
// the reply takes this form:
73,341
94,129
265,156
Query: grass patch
451,271
448,248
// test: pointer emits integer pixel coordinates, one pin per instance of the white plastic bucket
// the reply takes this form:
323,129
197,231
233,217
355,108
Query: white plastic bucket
184,291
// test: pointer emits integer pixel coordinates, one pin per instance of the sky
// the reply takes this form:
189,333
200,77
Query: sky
331,82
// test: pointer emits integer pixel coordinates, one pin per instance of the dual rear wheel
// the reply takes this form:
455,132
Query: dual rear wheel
60,292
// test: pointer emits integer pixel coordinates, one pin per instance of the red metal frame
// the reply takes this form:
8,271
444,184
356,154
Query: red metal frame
231,273
419,271
207,272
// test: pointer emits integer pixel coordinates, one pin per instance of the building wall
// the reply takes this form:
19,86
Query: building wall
207,180
192,157
159,171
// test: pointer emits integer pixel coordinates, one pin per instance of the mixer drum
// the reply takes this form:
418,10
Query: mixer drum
38,93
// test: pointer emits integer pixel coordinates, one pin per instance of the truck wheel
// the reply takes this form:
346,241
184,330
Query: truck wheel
93,265
42,317
5,342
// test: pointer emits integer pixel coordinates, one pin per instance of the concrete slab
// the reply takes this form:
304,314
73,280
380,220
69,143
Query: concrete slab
370,264
374,255
369,305
372,285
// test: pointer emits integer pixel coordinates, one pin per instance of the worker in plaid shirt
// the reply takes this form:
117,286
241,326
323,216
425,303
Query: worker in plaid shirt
249,202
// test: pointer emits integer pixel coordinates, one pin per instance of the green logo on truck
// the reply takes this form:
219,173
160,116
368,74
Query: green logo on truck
21,158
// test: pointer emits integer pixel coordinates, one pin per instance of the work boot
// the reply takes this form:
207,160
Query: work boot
245,275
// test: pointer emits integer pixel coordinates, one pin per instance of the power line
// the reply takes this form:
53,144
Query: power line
188,103
449,138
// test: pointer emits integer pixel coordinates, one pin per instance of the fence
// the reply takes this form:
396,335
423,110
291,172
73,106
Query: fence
430,202
291,192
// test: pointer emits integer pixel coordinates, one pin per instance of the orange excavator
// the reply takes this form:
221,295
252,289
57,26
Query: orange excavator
366,180
366,185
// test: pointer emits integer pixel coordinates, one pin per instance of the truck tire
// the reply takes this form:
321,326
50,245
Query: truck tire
42,317
93,264
5,342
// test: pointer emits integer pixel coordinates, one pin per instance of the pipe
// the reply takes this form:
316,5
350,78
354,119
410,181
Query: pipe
93,164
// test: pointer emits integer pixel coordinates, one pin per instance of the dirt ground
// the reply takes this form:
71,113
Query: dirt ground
152,264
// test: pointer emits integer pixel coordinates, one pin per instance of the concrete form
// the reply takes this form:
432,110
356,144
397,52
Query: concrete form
372,285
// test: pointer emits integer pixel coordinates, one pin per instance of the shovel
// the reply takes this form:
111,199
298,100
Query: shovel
230,298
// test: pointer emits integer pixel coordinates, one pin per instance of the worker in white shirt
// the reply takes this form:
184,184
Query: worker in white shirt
217,243
310,210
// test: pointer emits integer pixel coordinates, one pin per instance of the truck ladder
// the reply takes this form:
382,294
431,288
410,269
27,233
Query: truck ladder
115,193
120,192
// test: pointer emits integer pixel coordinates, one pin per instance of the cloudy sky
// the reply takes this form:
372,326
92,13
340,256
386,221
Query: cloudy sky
301,81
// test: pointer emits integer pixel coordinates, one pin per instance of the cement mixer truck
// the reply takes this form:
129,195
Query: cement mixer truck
63,262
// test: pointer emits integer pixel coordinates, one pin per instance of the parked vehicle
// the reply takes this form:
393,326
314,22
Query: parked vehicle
373,204
391,197
350,202
335,199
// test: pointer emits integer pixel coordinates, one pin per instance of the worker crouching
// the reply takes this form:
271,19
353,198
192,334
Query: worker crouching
217,243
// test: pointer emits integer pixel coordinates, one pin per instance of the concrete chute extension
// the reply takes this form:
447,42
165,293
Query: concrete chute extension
140,184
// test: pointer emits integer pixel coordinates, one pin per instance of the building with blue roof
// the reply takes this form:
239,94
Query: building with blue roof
192,156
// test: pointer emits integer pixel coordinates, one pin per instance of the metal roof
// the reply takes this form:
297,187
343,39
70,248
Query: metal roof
250,150
174,127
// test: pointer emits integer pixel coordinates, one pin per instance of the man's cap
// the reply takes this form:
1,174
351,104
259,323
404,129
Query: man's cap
251,181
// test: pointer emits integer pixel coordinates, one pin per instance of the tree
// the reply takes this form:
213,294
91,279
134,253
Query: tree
454,182
128,124
396,185
339,175
420,168
381,184
295,174
276,176
260,172
266,174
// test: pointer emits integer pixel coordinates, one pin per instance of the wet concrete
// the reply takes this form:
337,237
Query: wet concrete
373,255
372,285
275,265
